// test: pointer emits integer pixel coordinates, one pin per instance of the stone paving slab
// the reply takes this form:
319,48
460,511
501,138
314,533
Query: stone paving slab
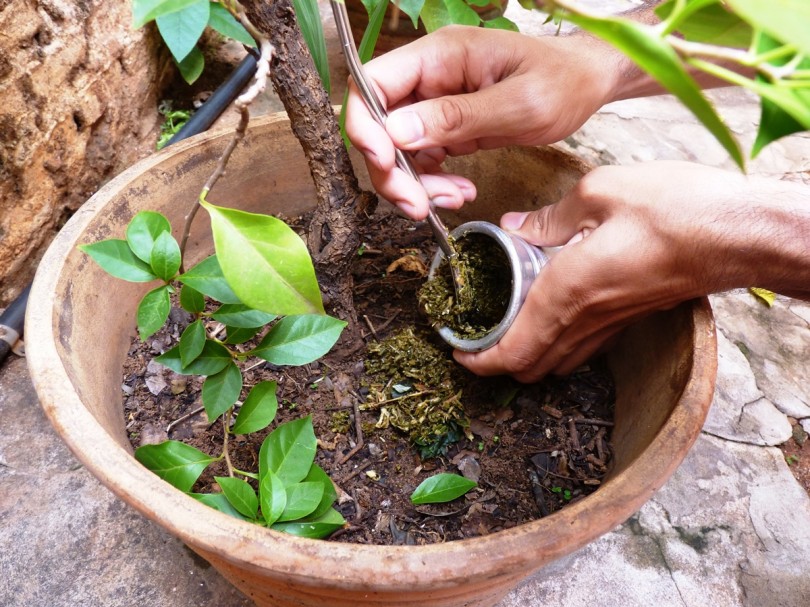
730,529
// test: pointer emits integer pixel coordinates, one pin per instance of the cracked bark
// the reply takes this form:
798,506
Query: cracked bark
333,235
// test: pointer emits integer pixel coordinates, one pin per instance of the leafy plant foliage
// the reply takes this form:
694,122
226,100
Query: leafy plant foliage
291,493
441,488
728,39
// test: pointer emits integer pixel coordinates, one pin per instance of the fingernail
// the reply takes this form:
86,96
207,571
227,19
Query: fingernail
513,221
405,127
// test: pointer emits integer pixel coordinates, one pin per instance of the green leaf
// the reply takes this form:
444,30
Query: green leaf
785,20
317,475
265,262
175,462
221,390
312,527
272,497
242,317
213,359
441,488
302,500
775,122
227,25
501,23
461,13
300,339
117,259
192,342
165,260
207,278
192,66
191,300
258,410
153,311
652,54
288,451
143,11
309,20
240,336
369,40
435,15
182,29
240,495
142,232
412,8
708,21
218,501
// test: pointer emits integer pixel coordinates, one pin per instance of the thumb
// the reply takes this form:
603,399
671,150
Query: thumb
444,121
549,226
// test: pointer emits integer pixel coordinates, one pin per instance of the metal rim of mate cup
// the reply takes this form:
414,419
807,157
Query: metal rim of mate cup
525,261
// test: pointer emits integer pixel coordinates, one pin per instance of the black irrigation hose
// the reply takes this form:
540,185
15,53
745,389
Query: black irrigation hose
12,320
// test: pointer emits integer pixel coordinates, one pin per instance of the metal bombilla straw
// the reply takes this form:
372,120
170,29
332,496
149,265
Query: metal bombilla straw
524,259
404,162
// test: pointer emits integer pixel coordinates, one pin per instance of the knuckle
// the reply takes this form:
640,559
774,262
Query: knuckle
452,113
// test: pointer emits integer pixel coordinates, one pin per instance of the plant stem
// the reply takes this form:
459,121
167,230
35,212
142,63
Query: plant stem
226,423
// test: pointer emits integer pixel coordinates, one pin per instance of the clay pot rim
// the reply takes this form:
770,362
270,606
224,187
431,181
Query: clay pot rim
346,565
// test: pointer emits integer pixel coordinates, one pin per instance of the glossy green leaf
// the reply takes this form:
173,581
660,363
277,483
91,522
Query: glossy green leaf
192,342
213,359
175,462
299,339
272,497
191,300
309,20
142,232
785,20
165,259
265,262
182,29
219,502
412,8
143,11
117,259
435,15
241,316
235,335
708,21
207,278
312,527
302,500
652,54
288,451
240,495
258,410
441,488
192,66
501,23
227,25
461,13
153,310
775,122
221,390
317,474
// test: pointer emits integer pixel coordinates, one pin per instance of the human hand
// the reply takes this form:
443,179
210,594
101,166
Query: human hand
461,89
644,238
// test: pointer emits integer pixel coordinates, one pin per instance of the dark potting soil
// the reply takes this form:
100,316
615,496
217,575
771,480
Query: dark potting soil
533,449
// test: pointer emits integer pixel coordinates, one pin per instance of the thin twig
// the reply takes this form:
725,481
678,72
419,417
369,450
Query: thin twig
358,429
371,327
183,418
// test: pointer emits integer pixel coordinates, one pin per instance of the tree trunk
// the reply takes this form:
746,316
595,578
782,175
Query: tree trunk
333,234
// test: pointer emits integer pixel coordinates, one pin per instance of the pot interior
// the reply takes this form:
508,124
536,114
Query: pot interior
81,322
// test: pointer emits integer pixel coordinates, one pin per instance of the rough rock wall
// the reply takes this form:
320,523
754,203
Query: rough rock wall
78,99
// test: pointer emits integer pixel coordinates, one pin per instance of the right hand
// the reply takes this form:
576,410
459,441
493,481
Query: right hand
461,89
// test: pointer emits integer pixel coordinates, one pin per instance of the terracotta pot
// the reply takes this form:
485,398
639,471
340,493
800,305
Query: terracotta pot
397,28
80,322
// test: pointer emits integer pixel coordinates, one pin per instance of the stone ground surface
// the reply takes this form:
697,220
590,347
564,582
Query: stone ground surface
730,528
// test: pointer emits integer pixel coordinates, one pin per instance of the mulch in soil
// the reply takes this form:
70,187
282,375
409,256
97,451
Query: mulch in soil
533,449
